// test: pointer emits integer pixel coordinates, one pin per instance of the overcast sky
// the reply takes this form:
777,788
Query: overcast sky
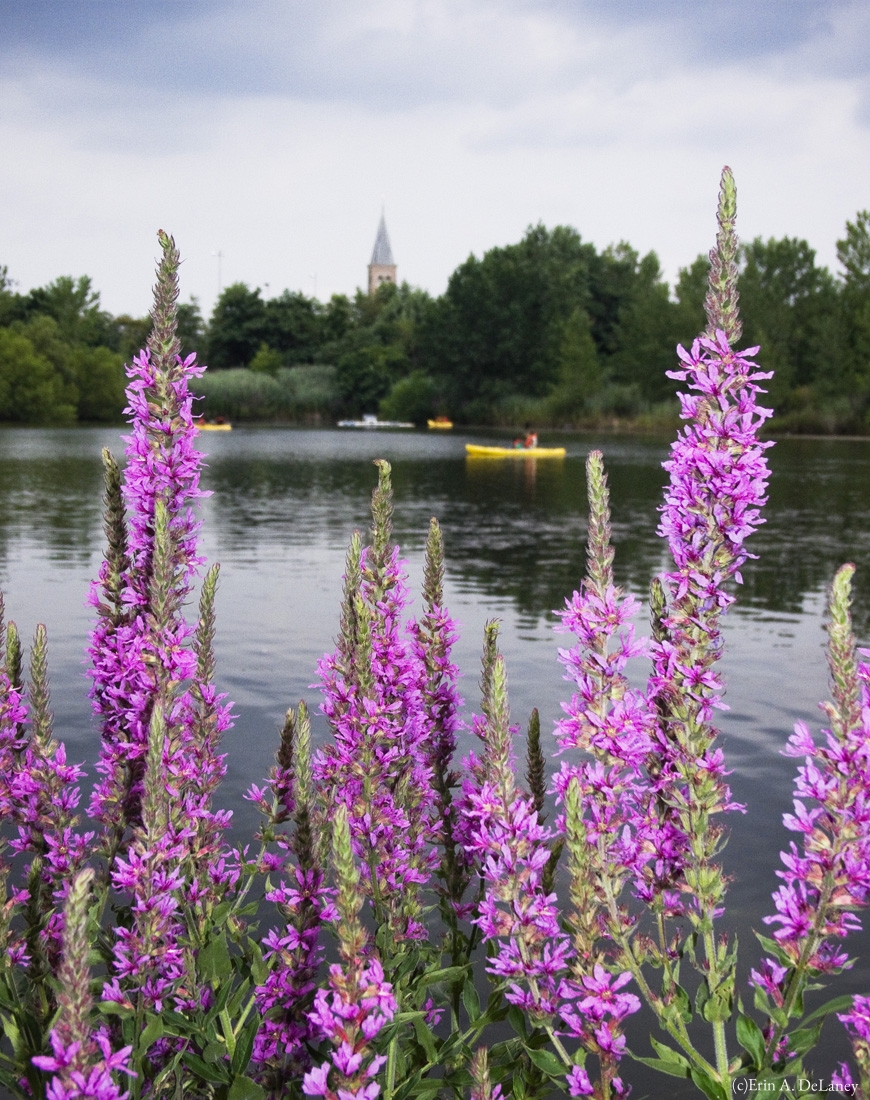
272,131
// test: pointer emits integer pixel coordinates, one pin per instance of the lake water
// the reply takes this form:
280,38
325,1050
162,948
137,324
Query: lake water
284,503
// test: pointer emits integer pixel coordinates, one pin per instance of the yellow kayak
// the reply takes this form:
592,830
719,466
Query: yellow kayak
476,451
440,422
213,427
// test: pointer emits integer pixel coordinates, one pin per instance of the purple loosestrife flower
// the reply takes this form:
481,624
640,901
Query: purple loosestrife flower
148,958
39,796
433,639
639,808
857,1022
13,713
359,1002
718,476
718,479
826,874
597,1022
153,681
82,1064
294,952
379,764
511,847
606,796
610,722
142,643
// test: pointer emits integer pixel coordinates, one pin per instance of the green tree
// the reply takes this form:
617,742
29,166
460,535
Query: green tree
690,292
132,335
336,321
497,330
191,329
100,382
853,252
237,327
366,373
293,327
13,306
75,306
412,398
46,338
381,346
642,324
581,376
31,390
267,360
787,304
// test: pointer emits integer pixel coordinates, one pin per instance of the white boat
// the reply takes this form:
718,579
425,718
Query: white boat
369,420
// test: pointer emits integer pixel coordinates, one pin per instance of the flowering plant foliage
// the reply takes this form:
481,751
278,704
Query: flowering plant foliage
395,884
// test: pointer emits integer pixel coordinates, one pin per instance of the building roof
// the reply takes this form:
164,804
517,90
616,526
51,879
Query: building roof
382,254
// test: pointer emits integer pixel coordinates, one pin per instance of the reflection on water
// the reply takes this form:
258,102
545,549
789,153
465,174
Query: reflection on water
284,503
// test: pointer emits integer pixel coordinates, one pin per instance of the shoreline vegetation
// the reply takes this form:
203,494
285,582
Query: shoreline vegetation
548,331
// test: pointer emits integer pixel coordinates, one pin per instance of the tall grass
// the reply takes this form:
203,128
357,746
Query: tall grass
305,393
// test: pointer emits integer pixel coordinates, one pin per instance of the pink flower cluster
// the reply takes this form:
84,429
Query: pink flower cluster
357,1006
380,763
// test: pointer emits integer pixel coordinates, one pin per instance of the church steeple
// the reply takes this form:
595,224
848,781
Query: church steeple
382,268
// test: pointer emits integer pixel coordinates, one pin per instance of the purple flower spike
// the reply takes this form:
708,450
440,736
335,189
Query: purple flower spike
142,644
82,1064
857,1022
826,870
380,766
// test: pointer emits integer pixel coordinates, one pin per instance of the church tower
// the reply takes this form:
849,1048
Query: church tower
382,269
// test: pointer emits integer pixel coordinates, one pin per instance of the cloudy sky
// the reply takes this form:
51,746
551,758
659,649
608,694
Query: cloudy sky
267,134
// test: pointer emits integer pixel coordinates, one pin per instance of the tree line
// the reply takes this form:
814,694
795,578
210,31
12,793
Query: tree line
548,331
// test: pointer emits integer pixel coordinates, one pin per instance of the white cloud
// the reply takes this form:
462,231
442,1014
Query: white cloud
274,141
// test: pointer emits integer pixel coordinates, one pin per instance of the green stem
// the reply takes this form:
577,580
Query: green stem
675,1027
719,1041
390,1083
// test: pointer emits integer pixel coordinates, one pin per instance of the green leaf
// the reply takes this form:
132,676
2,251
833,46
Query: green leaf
221,912
243,1088
244,1046
426,1039
213,961
762,1003
153,1031
702,996
216,1074
750,1037
215,1051
10,1030
418,1086
446,974
471,1000
517,1019
805,1038
547,1061
772,948
713,1089
836,1004
680,1004
667,1054
259,968
673,1068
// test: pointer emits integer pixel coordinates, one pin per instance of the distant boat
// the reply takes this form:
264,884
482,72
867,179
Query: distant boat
440,422
476,451
202,426
371,421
